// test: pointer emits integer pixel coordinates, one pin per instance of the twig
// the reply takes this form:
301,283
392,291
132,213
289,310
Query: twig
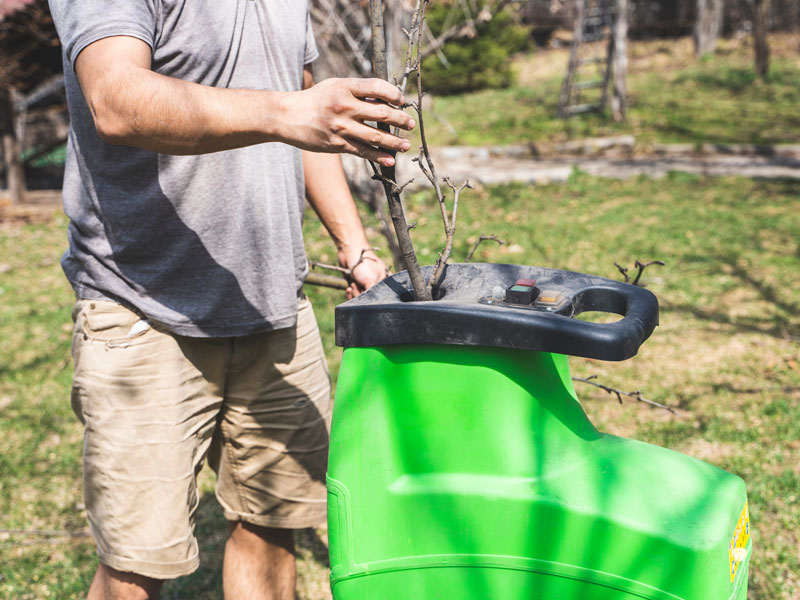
317,265
450,230
413,41
636,395
428,168
481,239
640,266
623,270
336,282
643,266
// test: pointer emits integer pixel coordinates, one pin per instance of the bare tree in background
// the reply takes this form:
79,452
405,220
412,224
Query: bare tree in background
760,9
15,173
619,96
707,26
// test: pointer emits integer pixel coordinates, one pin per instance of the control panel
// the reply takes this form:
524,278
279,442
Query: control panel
523,293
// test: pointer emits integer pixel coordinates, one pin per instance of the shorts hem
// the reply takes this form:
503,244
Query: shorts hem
150,569
304,522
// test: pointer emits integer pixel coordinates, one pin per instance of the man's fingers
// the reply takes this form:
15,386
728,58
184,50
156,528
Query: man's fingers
370,153
376,88
376,137
373,111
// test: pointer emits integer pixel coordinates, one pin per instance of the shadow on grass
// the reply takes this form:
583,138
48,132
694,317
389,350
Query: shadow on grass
780,322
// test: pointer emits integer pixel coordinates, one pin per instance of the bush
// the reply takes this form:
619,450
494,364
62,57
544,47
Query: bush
473,64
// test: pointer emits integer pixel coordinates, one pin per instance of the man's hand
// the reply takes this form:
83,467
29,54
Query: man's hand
331,117
366,269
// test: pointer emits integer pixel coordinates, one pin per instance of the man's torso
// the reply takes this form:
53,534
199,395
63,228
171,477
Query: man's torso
207,245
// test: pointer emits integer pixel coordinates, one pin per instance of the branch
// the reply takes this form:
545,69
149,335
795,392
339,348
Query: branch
318,265
336,282
330,281
643,266
623,270
450,230
640,269
481,239
413,40
388,173
637,395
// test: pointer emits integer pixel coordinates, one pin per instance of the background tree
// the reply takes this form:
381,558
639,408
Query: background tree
707,26
760,11
30,60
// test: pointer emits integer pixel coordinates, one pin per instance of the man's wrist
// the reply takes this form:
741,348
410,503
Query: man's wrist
351,254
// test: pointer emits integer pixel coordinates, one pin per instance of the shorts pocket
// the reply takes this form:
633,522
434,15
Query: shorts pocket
110,323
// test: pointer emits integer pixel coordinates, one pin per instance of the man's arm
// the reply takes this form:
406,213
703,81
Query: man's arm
135,106
329,195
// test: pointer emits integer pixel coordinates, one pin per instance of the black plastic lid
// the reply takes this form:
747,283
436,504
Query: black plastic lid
467,315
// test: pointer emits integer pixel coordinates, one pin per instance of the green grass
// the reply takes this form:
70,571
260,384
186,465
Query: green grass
673,99
726,354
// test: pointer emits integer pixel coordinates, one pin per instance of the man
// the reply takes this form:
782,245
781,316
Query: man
192,336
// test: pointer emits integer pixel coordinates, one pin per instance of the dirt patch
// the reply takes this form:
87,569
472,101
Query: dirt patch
46,206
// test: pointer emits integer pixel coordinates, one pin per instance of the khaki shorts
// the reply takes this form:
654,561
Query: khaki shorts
154,405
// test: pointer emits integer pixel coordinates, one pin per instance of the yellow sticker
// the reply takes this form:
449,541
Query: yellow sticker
737,550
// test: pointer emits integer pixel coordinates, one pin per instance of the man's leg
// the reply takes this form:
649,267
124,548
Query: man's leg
149,403
110,584
270,454
259,563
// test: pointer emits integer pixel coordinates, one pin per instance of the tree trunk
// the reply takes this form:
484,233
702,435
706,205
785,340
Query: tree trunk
572,67
619,98
761,45
707,26
15,174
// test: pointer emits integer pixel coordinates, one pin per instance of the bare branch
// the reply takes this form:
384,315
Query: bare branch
481,239
640,267
413,40
636,395
643,266
330,281
348,273
398,189
388,173
318,265
450,230
623,270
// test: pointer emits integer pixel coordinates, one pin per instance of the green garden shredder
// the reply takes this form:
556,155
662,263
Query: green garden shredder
462,466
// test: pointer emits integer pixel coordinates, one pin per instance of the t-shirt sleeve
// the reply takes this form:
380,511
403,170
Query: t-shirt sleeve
82,22
312,53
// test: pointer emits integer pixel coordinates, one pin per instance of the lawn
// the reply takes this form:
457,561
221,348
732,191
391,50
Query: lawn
726,355
673,98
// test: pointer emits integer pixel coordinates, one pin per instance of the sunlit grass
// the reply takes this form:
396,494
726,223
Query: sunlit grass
673,99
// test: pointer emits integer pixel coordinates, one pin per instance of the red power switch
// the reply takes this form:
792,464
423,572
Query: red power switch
524,292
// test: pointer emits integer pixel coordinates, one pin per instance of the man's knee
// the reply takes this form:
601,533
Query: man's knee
110,584
241,531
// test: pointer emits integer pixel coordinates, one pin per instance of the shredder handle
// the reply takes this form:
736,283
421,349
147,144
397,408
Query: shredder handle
381,317
609,341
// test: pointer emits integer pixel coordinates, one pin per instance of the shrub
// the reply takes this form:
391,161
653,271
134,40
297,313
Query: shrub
473,64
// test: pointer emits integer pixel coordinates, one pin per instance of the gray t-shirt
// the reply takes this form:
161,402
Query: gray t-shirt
208,245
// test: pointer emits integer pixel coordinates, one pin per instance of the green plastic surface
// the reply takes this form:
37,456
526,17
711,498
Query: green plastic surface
473,473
